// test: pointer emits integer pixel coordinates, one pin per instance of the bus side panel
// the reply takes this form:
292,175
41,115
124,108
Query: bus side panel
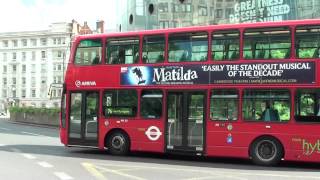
304,146
234,139
144,135
224,142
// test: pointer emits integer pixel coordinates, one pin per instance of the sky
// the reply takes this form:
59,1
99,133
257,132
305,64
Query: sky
28,15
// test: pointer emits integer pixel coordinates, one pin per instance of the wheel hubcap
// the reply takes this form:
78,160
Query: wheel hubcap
266,150
117,142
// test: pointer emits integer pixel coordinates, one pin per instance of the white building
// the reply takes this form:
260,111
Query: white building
30,62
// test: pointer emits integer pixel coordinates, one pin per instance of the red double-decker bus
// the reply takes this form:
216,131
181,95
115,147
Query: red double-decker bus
242,90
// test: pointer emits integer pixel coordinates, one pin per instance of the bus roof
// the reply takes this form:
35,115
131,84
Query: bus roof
202,28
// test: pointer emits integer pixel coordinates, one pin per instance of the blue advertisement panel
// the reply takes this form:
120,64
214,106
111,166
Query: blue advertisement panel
248,73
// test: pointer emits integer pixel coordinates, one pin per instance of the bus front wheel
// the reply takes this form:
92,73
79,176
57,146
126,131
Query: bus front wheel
266,151
118,143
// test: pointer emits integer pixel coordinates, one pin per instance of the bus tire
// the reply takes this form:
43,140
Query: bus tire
266,151
118,143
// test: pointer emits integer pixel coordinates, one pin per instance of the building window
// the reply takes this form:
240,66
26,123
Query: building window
4,56
43,54
14,81
202,11
24,56
14,68
4,81
23,81
4,69
14,93
33,42
181,8
163,7
23,93
33,68
188,7
219,13
43,68
33,93
43,41
33,57
175,8
59,55
163,24
43,80
33,81
15,43
24,42
14,56
228,12
24,68
5,43
4,93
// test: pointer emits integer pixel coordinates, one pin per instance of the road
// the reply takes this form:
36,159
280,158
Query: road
31,153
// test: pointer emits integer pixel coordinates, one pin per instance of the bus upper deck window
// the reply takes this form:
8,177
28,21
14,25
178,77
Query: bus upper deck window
153,49
225,45
267,43
307,42
122,50
188,47
88,52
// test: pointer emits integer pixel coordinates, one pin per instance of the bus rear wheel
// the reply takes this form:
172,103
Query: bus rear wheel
118,143
266,151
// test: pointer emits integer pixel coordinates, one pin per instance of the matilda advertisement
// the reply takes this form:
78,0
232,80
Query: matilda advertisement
249,73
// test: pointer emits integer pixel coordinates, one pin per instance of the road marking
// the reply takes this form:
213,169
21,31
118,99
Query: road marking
16,150
28,156
62,175
206,177
121,174
45,164
4,128
93,171
215,172
34,134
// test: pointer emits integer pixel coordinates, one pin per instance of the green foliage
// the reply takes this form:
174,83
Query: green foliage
32,110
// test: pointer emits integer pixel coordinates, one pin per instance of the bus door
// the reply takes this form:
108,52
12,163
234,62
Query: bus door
185,121
83,118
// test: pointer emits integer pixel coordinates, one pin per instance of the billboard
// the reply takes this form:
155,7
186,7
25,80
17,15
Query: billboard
247,73
263,11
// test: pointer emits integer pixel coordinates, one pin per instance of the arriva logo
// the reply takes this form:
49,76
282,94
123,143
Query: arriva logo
84,83
310,148
174,75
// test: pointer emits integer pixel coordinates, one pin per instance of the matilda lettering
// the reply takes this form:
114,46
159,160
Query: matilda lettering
161,74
